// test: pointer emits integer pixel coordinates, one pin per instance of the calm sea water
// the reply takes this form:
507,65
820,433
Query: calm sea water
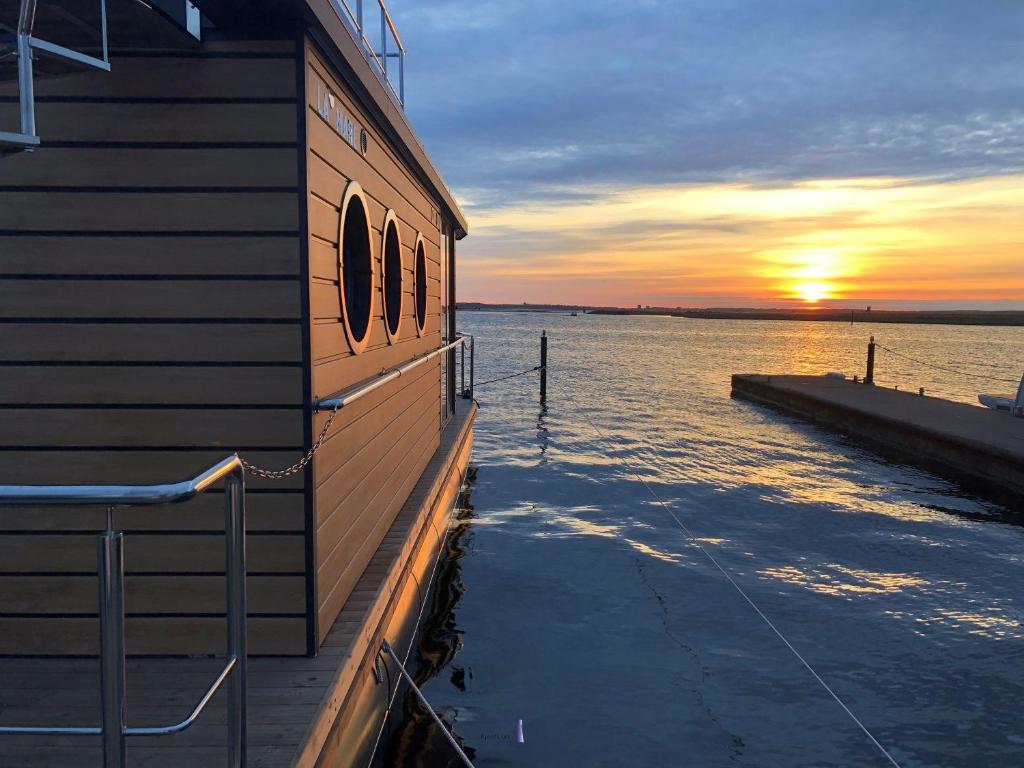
576,604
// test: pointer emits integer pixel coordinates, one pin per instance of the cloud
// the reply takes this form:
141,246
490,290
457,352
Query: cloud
527,98
540,105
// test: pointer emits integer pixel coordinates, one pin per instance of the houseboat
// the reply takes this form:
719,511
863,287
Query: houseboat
230,439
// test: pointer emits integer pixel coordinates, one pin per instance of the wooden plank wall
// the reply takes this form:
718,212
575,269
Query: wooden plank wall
377,449
151,322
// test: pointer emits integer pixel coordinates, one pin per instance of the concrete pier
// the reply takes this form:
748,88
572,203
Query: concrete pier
980,448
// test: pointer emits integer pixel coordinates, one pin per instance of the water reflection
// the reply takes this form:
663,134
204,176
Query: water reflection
589,615
837,580
542,433
411,736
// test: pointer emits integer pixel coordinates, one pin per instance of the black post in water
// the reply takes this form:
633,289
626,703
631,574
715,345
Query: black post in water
869,377
544,366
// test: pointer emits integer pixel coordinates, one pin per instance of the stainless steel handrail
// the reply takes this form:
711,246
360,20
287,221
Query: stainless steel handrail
110,558
349,396
118,495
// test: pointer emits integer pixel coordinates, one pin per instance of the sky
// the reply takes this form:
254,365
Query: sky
728,152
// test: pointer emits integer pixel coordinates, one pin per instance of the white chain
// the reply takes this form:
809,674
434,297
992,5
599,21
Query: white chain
301,463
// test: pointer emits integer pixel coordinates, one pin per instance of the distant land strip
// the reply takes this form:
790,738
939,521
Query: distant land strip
924,317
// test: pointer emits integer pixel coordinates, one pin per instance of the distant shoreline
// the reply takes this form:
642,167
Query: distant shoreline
913,317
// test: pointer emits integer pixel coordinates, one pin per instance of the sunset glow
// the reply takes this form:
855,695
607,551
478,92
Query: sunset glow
886,240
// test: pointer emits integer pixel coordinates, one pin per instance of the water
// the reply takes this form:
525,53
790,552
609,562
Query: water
577,605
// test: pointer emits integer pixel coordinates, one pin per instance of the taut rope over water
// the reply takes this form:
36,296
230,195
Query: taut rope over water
689,534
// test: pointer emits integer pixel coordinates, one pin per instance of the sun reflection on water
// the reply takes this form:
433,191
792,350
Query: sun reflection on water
838,580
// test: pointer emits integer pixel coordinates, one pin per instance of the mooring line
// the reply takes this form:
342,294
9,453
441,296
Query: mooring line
423,700
510,376
689,534
947,369
442,542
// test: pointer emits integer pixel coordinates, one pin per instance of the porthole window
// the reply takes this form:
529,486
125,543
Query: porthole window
421,286
391,276
355,267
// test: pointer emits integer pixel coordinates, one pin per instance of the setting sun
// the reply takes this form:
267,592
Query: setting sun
812,293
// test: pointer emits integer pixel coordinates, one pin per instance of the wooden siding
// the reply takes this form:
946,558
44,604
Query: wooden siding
376,449
151,321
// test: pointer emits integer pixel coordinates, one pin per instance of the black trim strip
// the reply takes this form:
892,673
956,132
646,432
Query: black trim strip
247,233
198,614
136,532
220,492
161,574
149,278
141,364
148,448
308,479
148,407
169,145
150,320
39,188
166,54
156,100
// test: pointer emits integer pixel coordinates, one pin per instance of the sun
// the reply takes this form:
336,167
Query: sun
812,293
809,274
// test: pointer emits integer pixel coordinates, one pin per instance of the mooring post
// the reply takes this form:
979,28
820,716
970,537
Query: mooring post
544,366
869,377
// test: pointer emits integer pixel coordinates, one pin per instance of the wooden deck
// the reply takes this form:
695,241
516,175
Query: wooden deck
293,701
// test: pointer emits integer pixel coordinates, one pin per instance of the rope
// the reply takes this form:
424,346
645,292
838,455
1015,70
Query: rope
443,540
510,376
689,534
386,647
946,369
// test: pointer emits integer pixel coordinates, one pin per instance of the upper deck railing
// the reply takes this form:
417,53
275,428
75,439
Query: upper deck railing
380,54
26,44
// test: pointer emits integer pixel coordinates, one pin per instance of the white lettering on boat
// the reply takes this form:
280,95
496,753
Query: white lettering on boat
343,125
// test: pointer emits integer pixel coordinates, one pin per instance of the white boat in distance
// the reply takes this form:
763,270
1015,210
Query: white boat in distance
997,403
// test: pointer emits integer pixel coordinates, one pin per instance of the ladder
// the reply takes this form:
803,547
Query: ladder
25,47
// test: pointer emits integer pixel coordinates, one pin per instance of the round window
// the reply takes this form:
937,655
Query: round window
421,286
391,276
355,267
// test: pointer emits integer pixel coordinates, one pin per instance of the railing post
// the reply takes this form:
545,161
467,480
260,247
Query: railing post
110,560
384,43
869,377
472,365
103,31
26,85
234,538
544,366
462,370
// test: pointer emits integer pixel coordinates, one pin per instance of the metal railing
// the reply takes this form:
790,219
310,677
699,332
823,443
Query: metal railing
25,44
377,56
349,396
468,393
110,556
